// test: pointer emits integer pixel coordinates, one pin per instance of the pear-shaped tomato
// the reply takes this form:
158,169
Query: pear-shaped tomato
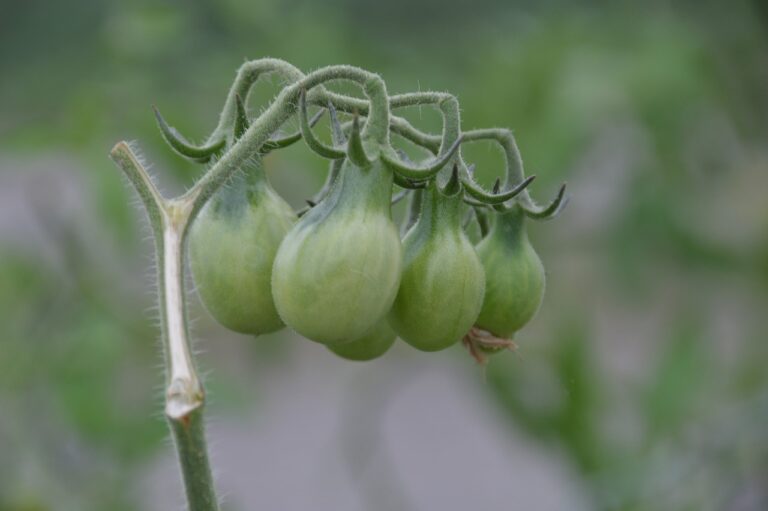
372,345
232,245
337,271
441,290
514,276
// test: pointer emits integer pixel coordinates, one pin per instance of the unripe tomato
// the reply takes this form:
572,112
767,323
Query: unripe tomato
337,271
372,345
232,245
514,276
441,290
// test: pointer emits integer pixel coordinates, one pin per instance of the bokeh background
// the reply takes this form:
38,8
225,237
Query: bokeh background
641,384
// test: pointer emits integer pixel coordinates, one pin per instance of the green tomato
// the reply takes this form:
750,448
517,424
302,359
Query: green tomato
337,271
372,345
515,276
441,290
232,246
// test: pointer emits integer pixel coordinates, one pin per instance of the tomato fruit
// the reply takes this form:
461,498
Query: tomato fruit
441,290
337,271
232,246
370,346
514,276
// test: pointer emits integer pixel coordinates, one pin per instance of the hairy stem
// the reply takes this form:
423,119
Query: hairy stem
184,394
250,72
512,159
275,115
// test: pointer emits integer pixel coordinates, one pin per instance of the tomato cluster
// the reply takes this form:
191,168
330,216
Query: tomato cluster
339,273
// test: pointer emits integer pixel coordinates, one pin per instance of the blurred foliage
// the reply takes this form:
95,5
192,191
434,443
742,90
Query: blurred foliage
655,113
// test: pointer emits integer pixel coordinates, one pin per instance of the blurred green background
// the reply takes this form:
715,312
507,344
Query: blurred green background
641,384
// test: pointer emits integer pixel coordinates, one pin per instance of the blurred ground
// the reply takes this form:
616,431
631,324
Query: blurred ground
641,384
335,435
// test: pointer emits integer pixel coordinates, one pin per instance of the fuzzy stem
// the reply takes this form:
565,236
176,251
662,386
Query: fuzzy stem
250,72
278,112
512,159
184,395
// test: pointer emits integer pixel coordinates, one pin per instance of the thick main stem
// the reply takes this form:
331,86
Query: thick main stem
184,398
184,395
184,390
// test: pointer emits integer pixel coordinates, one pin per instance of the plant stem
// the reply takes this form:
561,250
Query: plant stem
250,72
184,395
512,159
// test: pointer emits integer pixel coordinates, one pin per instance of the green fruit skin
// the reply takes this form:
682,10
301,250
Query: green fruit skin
232,246
370,346
337,271
514,276
443,281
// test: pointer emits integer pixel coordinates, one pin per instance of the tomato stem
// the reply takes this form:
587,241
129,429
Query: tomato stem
184,394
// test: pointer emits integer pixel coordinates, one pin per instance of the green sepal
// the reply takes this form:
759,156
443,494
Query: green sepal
481,195
453,186
311,140
409,184
421,172
355,149
551,210
280,143
182,146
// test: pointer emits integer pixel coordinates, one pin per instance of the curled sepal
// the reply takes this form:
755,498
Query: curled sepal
551,210
355,149
404,182
182,146
279,143
241,118
408,184
475,203
493,198
425,171
309,137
